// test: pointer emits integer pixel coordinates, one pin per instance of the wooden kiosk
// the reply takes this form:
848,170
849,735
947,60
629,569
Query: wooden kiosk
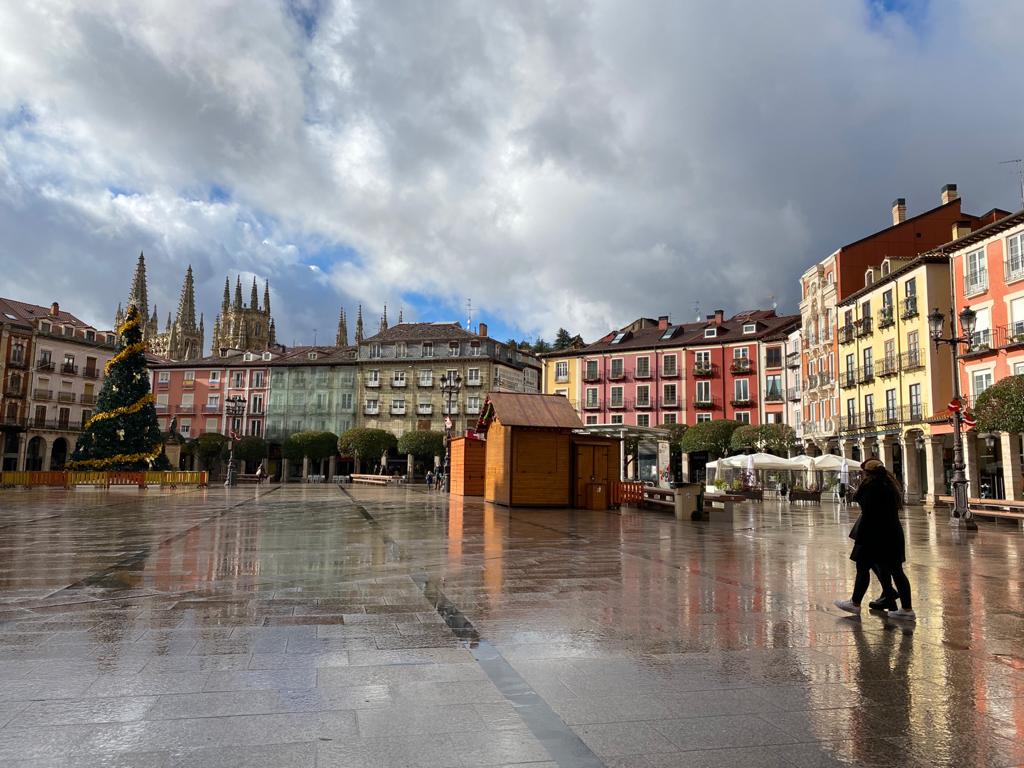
534,459
467,466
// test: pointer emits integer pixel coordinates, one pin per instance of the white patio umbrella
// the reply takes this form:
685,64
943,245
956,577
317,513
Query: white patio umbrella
844,472
832,463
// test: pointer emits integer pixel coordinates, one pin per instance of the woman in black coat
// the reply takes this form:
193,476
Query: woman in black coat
878,539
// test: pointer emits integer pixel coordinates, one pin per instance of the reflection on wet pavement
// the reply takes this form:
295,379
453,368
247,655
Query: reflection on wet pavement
309,625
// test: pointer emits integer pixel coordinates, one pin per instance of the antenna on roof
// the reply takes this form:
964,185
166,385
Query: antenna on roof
696,310
469,314
314,337
775,304
1019,162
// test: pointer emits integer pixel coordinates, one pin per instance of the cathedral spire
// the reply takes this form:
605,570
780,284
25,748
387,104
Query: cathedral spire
137,295
167,328
238,292
226,303
202,336
384,320
187,303
359,325
254,297
341,339
266,296
401,311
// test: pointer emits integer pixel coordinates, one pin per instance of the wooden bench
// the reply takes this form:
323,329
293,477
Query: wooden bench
721,501
1005,508
662,497
373,479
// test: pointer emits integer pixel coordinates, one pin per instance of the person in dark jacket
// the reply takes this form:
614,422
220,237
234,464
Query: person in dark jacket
878,540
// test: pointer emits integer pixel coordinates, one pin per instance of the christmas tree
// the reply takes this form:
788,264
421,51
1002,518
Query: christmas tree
123,434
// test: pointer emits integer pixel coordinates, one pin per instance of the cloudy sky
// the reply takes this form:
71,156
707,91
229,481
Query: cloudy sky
561,163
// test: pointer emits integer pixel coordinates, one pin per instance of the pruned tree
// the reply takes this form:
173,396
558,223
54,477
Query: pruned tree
251,449
423,444
315,446
711,437
210,448
366,443
1000,408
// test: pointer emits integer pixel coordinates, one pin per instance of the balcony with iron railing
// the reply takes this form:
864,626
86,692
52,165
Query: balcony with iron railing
848,379
812,380
773,396
45,366
863,327
65,397
886,317
185,408
617,375
982,342
975,284
211,409
705,403
793,394
912,360
824,379
618,403
741,402
591,376
909,308
670,372
866,374
424,409
888,366
846,334
668,404
703,370
1013,268
90,373
793,360
741,366
592,405
14,389
13,422
17,362
55,425
372,383
1011,335
645,403
42,394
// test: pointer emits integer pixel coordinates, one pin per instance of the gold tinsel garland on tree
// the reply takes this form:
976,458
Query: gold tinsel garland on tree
122,458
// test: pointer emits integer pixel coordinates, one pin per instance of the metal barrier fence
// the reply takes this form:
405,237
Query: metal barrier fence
70,479
627,493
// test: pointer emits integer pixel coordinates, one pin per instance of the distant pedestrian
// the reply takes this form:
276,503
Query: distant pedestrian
879,542
259,475
430,479
438,481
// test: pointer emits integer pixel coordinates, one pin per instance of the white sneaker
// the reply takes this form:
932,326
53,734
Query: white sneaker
849,606
901,613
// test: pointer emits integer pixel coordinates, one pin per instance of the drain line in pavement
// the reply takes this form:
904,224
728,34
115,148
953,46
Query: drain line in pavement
563,745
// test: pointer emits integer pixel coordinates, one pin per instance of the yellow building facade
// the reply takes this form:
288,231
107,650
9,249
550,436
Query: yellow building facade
563,376
891,377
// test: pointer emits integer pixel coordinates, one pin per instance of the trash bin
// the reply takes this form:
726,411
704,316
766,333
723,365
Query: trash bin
689,500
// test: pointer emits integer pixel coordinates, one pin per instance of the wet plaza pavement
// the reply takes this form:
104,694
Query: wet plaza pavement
315,625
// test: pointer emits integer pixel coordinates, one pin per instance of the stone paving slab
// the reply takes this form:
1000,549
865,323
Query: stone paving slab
316,626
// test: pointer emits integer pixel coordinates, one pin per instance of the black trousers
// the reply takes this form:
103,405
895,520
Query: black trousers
888,575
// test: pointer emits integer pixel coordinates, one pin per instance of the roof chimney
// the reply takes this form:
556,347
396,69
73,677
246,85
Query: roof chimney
899,210
662,322
483,329
949,194
961,228
55,309
719,316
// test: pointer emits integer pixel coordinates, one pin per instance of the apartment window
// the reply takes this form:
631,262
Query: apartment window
743,417
869,409
161,402
915,402
210,426
913,350
238,379
376,351
980,381
473,403
591,397
890,355
975,272
668,392
346,401
401,349
214,377
185,427
1018,369
773,357
869,368
373,378
236,425
890,405
163,377
669,418
453,349
398,378
643,420
741,389
982,338
701,417
865,309
740,353
591,370
773,386
616,418
562,370
618,367
616,397
1016,320
643,396
703,391
750,327
910,287
473,376
257,404
591,420
426,377
257,379
851,412
18,352
371,404
669,363
213,402
643,366
773,418
254,428
189,376
428,349
1015,257
710,333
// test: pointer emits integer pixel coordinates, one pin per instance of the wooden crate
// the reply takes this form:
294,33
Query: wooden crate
467,462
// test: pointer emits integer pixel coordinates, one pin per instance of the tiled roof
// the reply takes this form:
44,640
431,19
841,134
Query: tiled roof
331,355
30,312
534,410
422,332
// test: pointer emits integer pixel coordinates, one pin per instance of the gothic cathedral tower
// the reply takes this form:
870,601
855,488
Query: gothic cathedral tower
246,327
183,338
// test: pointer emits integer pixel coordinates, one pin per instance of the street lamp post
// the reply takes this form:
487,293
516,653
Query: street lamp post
960,516
234,406
451,383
